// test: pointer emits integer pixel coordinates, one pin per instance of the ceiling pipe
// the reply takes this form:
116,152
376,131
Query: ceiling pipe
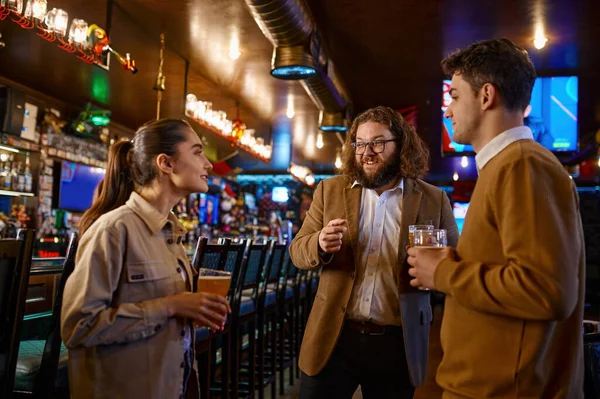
287,24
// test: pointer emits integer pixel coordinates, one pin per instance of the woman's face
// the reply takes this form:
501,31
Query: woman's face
190,166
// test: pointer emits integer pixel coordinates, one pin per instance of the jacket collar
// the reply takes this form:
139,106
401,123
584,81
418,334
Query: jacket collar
153,219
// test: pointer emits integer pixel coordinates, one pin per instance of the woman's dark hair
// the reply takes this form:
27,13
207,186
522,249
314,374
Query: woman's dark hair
131,163
413,152
499,62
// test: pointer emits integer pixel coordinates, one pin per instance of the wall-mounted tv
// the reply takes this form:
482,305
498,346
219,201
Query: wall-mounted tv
75,185
552,116
209,209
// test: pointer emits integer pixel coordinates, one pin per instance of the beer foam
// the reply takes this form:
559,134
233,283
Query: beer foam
214,277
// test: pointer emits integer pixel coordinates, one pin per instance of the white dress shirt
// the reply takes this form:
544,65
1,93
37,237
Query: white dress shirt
500,142
375,295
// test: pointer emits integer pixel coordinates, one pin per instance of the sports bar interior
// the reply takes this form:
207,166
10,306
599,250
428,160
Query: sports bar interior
271,88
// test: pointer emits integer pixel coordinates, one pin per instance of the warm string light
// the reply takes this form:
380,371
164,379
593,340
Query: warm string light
90,44
455,176
302,174
236,132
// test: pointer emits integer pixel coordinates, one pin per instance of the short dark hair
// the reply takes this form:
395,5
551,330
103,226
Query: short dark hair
414,154
499,62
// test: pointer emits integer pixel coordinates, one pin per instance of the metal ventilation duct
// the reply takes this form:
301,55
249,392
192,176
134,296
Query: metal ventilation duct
288,23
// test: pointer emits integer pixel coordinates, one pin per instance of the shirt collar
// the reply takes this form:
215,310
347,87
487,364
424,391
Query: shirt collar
152,217
500,142
400,185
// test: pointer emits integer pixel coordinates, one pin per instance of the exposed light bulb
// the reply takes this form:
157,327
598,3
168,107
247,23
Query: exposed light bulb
599,160
464,162
540,40
234,49
455,176
319,143
38,8
290,107
338,161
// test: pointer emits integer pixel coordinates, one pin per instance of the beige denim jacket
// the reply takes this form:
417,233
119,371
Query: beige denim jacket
114,319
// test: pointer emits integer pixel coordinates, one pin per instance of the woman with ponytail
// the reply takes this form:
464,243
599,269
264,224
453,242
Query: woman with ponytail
128,310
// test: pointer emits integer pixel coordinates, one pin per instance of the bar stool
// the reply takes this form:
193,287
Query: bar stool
15,264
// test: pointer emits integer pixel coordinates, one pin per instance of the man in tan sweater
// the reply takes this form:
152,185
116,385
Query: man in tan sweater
514,288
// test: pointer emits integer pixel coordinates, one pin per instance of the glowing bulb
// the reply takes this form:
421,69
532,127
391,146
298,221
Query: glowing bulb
234,48
455,177
38,8
338,161
598,160
78,31
290,107
4,157
464,162
540,40
319,141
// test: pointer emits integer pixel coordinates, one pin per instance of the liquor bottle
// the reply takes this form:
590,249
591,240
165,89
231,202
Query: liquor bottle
21,178
28,177
6,173
2,175
14,177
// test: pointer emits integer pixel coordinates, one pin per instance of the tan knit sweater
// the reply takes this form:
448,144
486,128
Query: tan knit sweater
512,324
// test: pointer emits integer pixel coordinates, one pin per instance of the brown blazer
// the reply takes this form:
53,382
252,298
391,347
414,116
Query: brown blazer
335,198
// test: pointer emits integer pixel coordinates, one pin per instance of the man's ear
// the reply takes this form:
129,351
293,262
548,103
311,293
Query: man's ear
164,164
488,95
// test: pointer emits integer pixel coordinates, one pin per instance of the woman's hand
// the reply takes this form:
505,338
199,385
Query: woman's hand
207,310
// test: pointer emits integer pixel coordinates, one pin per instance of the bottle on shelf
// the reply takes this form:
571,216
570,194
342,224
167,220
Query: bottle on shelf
7,174
20,178
14,176
27,175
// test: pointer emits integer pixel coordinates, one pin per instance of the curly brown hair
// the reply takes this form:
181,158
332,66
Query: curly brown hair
499,62
414,154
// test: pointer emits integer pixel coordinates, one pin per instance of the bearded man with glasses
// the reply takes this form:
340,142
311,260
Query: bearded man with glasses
368,326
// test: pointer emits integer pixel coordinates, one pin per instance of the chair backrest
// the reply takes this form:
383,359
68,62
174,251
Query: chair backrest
234,263
276,263
254,266
46,378
261,292
15,263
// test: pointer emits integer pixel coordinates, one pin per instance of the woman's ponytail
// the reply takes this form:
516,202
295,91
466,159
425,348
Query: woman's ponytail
116,187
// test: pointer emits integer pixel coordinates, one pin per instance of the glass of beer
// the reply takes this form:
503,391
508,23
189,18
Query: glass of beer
414,227
430,239
214,281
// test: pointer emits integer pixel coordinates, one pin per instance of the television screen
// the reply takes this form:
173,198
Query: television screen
280,194
77,185
209,209
552,115
460,211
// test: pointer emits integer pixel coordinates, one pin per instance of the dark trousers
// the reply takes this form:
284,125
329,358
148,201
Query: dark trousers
375,362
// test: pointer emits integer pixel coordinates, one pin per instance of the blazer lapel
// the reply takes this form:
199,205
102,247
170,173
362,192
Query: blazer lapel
352,201
411,202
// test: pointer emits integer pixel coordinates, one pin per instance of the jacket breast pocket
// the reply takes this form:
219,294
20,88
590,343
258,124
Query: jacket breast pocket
150,280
